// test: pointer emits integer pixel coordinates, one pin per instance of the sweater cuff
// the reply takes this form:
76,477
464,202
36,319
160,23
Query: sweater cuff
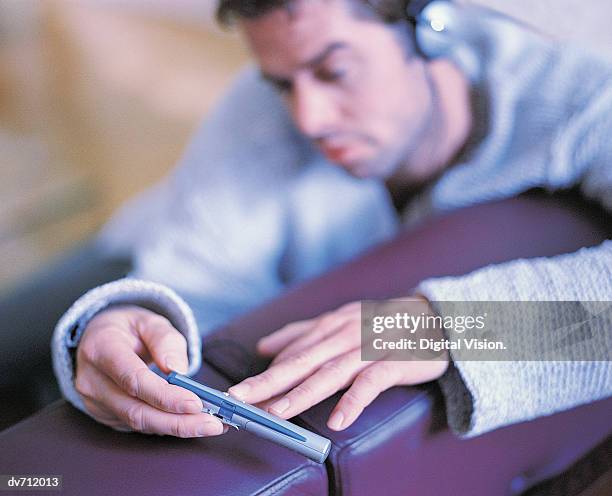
150,295
475,392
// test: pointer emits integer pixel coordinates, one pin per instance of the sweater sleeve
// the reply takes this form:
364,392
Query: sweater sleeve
482,396
485,395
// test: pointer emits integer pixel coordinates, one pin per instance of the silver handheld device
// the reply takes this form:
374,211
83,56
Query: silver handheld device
241,415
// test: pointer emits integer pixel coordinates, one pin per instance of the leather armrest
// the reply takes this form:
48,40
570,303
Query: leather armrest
401,441
96,460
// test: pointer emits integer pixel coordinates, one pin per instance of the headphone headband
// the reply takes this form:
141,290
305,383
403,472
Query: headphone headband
414,9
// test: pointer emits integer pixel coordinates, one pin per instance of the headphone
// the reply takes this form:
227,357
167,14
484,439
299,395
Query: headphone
414,9
435,24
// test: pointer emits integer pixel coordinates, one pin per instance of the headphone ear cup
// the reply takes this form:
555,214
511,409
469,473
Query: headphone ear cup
430,22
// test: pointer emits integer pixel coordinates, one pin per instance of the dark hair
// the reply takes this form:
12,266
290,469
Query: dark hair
399,13
387,11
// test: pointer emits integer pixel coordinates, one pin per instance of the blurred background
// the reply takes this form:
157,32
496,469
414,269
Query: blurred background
98,99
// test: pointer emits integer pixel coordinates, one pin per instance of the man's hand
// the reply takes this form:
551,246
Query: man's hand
316,358
120,390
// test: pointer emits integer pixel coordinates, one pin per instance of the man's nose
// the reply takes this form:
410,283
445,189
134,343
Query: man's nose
313,110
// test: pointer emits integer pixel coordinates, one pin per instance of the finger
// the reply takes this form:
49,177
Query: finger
271,344
263,405
367,386
142,417
167,346
133,376
287,374
87,390
322,326
322,329
351,308
419,372
331,377
101,414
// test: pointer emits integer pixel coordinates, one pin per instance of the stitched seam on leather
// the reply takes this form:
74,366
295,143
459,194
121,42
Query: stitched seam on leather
277,485
348,448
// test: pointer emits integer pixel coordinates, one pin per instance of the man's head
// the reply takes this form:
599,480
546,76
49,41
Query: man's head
350,75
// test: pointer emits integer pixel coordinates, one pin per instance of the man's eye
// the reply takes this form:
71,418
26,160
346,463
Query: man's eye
283,86
280,85
329,75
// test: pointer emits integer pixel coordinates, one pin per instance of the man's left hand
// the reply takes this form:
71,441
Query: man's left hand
313,359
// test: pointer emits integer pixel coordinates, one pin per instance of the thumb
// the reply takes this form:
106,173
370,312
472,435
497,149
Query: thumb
167,346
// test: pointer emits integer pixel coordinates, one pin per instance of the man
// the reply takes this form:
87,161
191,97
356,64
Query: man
361,131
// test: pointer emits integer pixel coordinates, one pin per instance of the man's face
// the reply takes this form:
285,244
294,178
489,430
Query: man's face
350,83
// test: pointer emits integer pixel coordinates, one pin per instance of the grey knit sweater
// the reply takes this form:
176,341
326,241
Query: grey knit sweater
253,208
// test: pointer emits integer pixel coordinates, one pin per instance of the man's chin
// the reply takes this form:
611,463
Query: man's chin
356,171
360,170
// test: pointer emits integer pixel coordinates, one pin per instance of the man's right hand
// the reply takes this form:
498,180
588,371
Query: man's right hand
119,389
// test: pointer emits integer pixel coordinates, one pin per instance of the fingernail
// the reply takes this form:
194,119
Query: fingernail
335,421
174,364
280,406
260,347
240,391
201,430
207,429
